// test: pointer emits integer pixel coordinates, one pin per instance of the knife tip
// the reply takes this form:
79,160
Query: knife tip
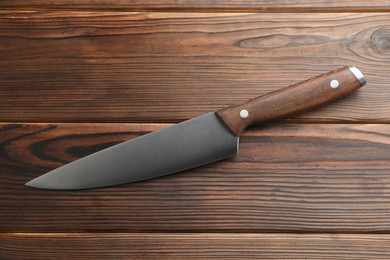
30,184
37,184
46,183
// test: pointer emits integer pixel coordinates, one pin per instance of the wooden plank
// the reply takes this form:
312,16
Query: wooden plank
200,246
167,67
309,177
209,5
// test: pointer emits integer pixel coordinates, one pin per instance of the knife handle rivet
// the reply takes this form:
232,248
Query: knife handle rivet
244,113
334,84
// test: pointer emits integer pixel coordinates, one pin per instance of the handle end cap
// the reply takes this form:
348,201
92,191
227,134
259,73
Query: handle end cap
359,75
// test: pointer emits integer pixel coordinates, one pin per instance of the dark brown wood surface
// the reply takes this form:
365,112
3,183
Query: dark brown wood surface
286,178
168,67
193,245
79,76
206,5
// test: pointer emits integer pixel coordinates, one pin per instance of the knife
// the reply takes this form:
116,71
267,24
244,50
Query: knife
201,140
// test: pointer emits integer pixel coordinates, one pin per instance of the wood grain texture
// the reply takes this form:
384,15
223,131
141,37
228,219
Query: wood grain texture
291,100
167,67
303,178
199,246
208,5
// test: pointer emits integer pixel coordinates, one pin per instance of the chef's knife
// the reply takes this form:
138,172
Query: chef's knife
204,139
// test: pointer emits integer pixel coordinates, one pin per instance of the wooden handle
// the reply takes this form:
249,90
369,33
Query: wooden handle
294,99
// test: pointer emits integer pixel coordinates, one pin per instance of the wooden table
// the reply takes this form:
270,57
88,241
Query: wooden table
79,76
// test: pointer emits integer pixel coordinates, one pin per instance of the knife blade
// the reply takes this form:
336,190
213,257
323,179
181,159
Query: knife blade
198,141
